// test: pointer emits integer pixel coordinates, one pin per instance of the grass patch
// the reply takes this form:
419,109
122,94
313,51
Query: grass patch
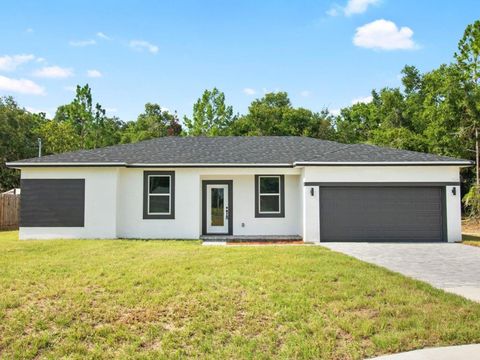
174,299
471,240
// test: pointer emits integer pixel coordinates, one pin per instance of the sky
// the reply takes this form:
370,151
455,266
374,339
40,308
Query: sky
324,54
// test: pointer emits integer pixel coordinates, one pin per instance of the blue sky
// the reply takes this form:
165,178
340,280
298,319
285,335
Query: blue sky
323,53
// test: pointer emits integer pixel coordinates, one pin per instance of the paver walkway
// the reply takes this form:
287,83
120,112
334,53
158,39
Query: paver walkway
462,352
451,267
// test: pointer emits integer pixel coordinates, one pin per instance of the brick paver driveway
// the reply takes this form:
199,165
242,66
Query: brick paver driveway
451,267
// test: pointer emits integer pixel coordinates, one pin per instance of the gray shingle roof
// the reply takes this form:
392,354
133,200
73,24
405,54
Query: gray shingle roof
260,150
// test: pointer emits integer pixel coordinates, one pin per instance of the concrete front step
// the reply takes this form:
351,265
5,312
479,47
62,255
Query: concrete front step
267,239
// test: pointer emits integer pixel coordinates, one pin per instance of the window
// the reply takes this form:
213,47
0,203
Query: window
269,196
159,195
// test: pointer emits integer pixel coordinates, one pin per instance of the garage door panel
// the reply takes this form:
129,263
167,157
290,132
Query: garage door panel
381,214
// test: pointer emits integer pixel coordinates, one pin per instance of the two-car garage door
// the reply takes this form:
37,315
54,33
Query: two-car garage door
372,213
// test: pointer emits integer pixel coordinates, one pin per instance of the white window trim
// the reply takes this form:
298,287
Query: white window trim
169,194
279,194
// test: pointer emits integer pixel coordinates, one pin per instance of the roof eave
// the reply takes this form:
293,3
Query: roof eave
465,163
19,165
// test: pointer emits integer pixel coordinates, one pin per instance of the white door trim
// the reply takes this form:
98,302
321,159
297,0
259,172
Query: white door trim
221,220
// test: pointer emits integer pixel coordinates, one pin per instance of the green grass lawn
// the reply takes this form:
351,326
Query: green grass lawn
471,240
174,299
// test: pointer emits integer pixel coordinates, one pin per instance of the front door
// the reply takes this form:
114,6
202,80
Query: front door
217,209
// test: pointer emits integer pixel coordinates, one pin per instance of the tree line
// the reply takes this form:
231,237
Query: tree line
437,111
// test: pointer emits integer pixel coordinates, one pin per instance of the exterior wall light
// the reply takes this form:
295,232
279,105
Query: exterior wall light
312,191
454,191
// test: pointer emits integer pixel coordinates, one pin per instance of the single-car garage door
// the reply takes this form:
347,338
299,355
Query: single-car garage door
365,213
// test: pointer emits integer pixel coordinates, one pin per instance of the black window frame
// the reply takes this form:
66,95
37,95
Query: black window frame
146,195
281,213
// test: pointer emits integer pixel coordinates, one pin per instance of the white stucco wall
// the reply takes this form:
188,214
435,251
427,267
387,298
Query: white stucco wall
382,173
379,174
130,222
311,214
244,207
454,215
114,200
188,207
114,204
100,203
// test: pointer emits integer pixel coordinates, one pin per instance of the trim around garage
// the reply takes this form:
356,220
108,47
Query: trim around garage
381,184
444,215
443,204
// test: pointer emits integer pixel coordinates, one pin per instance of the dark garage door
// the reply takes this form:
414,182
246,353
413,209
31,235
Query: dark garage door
381,214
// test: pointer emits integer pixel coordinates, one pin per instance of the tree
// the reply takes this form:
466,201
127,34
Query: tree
92,125
266,115
426,116
58,137
438,113
274,115
468,60
355,123
79,113
153,122
18,139
211,116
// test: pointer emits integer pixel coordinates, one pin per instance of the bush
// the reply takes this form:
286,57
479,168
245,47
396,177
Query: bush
471,201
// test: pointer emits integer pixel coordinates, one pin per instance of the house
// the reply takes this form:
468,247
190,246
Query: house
189,187
14,191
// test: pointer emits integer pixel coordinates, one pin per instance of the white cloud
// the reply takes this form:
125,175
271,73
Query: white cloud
103,36
249,91
111,110
10,63
384,35
358,6
94,73
333,11
53,72
362,100
334,112
82,43
267,91
305,93
40,60
70,88
143,45
21,86
29,30
37,111
352,7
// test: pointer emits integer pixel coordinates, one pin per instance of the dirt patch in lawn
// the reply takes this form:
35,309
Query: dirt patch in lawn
471,226
471,232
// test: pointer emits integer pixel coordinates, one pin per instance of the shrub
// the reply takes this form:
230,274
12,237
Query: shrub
471,201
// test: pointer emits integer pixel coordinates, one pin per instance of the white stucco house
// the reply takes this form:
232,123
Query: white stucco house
193,187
